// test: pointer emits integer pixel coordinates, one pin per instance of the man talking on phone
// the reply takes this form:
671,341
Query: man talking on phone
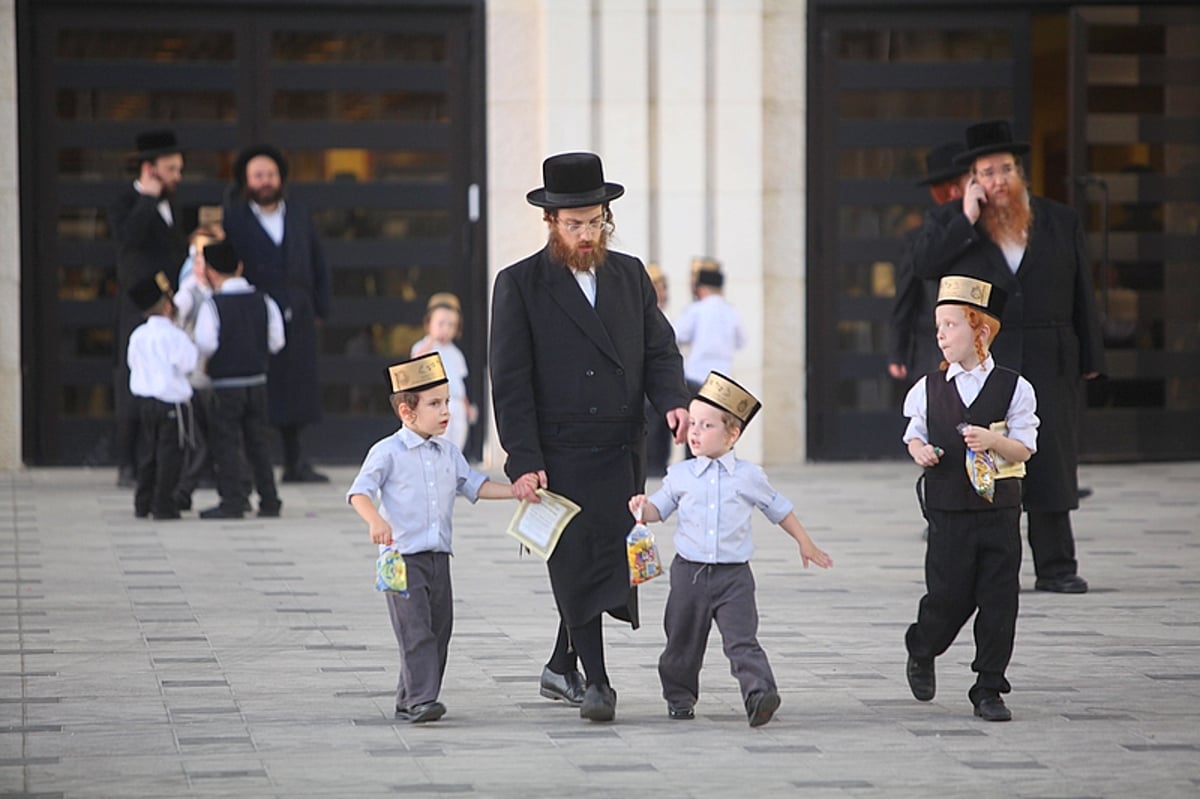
1034,249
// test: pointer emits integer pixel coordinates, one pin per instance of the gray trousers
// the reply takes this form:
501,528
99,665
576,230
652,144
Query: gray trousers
702,593
422,622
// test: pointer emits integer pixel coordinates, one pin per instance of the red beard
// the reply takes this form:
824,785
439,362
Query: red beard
1010,224
572,257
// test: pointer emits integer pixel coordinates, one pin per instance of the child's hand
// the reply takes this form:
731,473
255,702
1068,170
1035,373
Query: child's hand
925,455
979,438
811,553
381,532
636,503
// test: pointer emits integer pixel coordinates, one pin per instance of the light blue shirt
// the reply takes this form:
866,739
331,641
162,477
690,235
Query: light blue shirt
415,480
716,500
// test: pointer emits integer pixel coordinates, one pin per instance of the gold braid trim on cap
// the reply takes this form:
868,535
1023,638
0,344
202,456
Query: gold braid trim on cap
727,395
417,374
956,288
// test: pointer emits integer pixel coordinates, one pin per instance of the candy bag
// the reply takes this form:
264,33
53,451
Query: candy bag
644,564
981,471
391,572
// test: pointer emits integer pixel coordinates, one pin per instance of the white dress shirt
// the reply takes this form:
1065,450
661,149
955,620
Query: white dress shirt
271,221
711,329
208,321
160,357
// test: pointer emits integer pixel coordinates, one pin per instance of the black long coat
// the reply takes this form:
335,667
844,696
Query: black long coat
1049,333
568,386
297,278
913,332
146,245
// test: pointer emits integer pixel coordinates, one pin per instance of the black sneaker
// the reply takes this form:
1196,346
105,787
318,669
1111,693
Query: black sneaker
681,712
761,706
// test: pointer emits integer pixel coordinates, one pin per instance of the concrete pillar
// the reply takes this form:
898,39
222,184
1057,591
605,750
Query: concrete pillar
10,250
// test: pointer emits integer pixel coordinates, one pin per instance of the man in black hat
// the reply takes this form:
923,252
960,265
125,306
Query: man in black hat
577,344
1034,249
150,239
914,348
279,246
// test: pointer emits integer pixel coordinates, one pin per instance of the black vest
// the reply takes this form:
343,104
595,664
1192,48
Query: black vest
242,337
946,485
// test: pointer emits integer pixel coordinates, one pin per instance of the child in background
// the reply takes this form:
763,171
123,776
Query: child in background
160,357
414,475
716,494
973,554
443,324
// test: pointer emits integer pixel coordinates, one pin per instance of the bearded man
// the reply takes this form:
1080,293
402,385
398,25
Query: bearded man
1034,249
279,246
577,344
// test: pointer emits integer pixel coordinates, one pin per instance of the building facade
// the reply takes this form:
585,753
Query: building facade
782,138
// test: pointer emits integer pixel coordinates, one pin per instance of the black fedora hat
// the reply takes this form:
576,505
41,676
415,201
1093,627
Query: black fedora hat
940,166
155,144
990,137
573,180
244,157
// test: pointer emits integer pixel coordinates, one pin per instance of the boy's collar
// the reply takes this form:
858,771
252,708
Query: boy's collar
701,462
956,369
412,438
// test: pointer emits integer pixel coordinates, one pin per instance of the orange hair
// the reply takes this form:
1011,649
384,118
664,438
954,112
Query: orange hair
976,319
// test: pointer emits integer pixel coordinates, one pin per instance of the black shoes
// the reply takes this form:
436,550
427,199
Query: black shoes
269,510
562,687
599,703
1063,584
219,512
681,712
761,706
164,515
303,473
419,714
991,707
921,679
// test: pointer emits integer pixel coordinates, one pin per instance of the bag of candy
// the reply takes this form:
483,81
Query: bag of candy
644,563
391,572
981,470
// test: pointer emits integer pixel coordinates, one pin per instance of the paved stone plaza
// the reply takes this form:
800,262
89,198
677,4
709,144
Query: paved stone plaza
254,658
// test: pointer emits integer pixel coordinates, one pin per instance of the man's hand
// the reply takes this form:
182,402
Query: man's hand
525,487
678,421
898,370
974,198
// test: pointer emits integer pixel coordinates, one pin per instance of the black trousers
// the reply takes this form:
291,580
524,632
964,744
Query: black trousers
422,622
702,593
1052,543
160,455
239,425
972,565
198,459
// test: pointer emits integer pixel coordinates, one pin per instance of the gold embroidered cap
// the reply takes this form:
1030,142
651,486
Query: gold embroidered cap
417,374
721,392
703,263
444,299
964,290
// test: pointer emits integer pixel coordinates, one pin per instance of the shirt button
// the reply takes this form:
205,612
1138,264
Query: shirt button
711,532
590,373
620,372
712,506
592,411
624,409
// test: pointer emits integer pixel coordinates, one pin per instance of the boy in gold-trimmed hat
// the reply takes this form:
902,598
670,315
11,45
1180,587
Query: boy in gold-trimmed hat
973,556
716,494
414,475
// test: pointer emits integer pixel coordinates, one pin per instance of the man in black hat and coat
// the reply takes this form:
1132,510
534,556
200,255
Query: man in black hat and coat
1034,249
914,349
279,246
150,239
577,344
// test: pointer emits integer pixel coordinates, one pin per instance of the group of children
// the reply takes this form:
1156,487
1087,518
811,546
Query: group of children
969,409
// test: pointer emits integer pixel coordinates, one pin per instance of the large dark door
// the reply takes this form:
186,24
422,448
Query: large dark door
380,113
889,87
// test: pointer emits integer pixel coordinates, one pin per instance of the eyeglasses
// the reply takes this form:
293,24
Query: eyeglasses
575,228
987,174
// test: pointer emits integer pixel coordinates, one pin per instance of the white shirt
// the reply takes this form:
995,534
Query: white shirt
271,221
208,321
164,207
1022,420
586,278
711,329
160,356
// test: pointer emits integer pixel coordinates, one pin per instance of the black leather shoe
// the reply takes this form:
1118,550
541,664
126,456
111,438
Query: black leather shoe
761,706
681,712
165,515
269,511
599,703
921,678
183,501
1084,492
992,708
562,687
304,474
141,514
218,512
419,714
1063,584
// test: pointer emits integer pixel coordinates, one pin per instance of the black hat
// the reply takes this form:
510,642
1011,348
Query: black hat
972,292
573,180
416,374
987,138
155,144
147,292
721,392
710,277
243,159
940,166
221,256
